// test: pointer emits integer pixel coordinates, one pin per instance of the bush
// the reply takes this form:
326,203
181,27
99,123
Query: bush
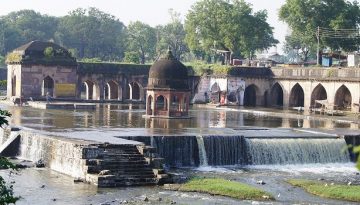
132,57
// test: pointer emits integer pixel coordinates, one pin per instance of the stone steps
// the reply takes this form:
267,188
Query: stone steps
120,165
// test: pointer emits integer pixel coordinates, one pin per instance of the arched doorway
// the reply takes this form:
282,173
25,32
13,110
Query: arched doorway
276,95
134,91
215,93
343,99
296,96
250,95
112,90
48,86
13,86
319,93
160,104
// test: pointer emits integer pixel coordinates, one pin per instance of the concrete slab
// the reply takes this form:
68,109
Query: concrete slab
62,105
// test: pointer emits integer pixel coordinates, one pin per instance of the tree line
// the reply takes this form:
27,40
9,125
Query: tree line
213,31
91,34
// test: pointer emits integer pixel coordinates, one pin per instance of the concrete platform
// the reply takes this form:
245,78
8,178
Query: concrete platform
62,105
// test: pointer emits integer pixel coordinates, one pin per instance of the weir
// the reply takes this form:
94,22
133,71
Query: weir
180,151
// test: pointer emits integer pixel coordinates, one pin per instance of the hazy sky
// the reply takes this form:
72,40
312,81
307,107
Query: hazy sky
153,12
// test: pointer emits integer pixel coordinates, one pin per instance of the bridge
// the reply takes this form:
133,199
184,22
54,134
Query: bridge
307,87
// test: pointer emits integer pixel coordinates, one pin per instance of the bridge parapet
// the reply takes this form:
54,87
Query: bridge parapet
326,74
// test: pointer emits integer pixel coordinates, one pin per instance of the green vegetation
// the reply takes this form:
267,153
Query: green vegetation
132,57
6,192
229,27
224,187
342,192
357,151
2,60
3,83
13,58
304,18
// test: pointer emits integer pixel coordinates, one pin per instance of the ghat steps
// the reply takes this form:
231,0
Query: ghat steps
122,165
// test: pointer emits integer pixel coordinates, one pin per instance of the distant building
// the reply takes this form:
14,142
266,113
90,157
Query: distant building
40,68
168,93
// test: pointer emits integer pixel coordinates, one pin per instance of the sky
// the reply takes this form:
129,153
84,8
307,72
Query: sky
152,12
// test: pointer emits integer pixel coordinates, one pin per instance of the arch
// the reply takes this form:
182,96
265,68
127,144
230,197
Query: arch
215,88
90,90
111,90
215,93
297,96
13,86
276,95
134,91
232,97
175,103
319,93
343,99
48,86
250,95
160,103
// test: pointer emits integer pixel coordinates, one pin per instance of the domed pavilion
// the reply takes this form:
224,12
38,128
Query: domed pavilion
168,93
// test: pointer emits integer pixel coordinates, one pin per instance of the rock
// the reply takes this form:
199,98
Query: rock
146,199
43,186
349,183
53,199
173,202
159,199
40,163
332,184
124,202
266,197
321,179
78,180
261,182
357,173
104,172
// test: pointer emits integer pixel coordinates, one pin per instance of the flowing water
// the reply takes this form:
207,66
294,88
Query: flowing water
203,141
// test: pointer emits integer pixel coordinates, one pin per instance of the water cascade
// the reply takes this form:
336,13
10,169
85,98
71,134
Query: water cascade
202,152
184,151
296,151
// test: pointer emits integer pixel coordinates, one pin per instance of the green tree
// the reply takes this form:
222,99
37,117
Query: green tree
172,35
228,26
6,192
305,16
22,26
142,39
92,33
132,57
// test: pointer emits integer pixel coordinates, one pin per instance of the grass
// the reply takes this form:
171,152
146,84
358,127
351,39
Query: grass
222,187
336,191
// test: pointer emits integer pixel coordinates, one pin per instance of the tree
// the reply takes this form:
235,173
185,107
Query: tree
172,35
227,26
23,26
6,192
142,39
132,57
92,33
304,17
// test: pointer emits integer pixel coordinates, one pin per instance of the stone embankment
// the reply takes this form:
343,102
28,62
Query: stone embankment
102,164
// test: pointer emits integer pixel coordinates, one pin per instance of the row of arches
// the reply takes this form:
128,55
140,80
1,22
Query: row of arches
342,100
90,90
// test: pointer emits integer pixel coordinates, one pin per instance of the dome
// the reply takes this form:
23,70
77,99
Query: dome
168,73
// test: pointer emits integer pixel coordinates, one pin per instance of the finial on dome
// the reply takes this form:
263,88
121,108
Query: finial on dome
169,55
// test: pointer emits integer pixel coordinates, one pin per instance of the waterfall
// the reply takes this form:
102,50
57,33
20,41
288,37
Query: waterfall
202,152
185,151
225,150
296,151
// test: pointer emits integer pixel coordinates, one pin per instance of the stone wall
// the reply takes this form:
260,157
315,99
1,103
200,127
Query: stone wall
62,155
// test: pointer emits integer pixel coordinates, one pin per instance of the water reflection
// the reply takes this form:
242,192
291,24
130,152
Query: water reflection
130,116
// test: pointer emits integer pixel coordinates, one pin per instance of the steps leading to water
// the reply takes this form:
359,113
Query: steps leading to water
122,165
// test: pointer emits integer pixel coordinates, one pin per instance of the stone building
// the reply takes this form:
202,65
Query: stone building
38,68
168,93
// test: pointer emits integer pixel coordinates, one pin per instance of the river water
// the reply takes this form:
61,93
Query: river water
43,186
